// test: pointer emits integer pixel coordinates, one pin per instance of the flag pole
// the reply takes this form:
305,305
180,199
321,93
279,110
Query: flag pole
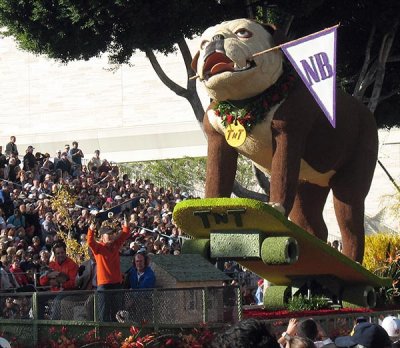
286,43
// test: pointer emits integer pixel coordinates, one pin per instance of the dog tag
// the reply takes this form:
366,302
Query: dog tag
235,134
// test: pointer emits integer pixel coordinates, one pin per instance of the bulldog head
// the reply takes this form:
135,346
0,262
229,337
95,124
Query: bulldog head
225,62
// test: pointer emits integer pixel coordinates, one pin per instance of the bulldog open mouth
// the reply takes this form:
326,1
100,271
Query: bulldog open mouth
217,63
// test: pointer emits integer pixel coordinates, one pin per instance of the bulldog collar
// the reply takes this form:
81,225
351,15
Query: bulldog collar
252,111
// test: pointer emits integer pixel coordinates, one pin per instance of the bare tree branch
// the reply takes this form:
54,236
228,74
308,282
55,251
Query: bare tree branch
358,90
162,76
380,75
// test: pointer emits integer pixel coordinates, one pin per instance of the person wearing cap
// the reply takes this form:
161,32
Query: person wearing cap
392,326
368,335
109,276
4,343
29,160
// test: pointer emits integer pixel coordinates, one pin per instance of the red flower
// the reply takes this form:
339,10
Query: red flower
64,330
169,342
52,330
134,330
217,112
229,119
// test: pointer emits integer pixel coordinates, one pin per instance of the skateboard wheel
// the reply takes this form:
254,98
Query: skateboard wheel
279,251
359,296
276,297
197,246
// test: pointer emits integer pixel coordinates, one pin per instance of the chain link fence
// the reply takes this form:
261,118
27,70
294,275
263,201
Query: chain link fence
156,307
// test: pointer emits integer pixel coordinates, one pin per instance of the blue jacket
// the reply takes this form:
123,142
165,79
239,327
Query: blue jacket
146,281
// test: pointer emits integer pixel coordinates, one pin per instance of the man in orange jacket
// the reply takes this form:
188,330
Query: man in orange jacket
109,275
61,276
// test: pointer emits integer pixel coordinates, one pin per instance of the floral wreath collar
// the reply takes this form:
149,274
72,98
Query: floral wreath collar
252,111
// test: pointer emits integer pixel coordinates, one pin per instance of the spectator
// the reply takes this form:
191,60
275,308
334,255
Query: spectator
76,154
5,283
259,295
49,228
392,326
11,310
95,161
308,328
109,277
64,165
87,278
29,160
11,147
17,219
13,169
298,342
3,162
60,277
63,270
3,223
141,276
368,335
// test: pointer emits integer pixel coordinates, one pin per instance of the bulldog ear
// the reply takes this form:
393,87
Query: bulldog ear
194,61
278,35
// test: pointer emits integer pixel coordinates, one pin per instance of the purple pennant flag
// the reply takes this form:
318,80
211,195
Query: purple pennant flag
314,58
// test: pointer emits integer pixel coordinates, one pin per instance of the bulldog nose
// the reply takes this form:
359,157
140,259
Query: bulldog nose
216,45
217,37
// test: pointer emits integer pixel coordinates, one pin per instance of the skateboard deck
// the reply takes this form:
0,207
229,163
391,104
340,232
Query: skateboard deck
118,209
236,222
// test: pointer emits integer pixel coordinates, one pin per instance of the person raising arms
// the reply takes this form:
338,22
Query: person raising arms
109,276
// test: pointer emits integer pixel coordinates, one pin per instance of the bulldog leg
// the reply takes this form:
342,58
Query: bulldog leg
307,209
350,217
221,164
350,186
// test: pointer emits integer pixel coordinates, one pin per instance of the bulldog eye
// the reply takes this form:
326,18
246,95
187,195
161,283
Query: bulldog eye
243,33
204,44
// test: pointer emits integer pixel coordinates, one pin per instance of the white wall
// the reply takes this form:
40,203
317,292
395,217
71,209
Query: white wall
128,114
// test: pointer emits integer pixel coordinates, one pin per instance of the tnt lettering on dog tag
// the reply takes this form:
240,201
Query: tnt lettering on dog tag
235,135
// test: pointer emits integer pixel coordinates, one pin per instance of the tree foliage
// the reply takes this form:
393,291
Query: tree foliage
368,47
70,29
187,173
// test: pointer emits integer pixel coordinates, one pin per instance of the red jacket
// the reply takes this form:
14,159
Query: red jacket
107,257
68,267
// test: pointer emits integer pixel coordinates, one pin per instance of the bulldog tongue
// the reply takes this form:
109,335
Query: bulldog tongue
221,67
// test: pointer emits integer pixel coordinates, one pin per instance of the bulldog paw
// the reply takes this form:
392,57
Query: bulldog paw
279,207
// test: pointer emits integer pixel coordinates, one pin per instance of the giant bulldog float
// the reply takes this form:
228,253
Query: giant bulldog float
287,134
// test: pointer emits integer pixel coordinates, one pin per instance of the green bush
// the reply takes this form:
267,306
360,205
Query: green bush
302,303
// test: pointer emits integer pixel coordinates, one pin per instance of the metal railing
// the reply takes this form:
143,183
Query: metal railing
30,315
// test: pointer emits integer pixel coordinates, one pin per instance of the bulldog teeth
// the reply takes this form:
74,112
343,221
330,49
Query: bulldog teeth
248,66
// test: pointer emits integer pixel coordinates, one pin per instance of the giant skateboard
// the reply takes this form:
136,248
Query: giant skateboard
264,241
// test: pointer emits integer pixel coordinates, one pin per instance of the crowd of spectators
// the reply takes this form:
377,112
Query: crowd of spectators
29,224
